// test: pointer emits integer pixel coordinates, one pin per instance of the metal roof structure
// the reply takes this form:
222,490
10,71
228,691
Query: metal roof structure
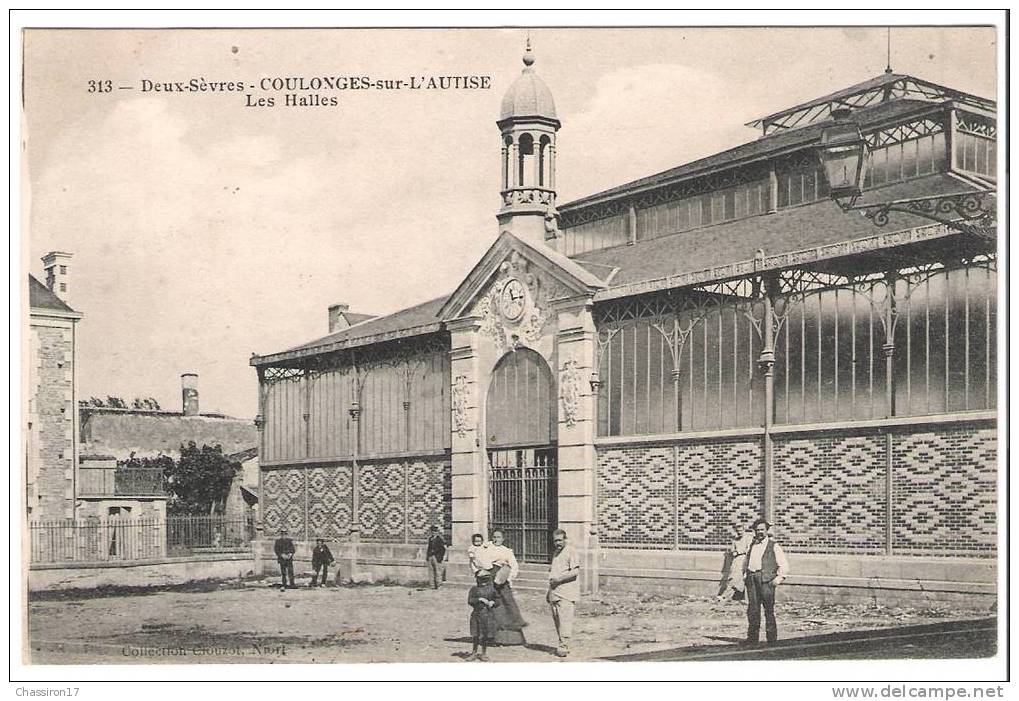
883,88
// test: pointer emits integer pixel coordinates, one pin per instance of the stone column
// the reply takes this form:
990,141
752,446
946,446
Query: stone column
468,473
551,164
575,354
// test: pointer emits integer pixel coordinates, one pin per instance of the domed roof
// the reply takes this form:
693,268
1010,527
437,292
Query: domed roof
528,96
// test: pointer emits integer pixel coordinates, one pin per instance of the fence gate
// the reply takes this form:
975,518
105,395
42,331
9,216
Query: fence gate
523,497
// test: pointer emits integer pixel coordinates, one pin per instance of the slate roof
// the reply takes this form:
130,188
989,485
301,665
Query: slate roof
41,297
354,318
421,319
788,230
764,147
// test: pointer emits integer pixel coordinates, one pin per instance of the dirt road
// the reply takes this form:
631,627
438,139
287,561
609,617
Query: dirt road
254,622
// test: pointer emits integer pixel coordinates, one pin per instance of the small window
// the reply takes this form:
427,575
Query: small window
63,287
63,270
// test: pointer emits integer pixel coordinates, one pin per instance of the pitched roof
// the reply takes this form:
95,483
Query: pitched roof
354,318
789,230
412,321
884,87
557,265
243,455
41,297
765,147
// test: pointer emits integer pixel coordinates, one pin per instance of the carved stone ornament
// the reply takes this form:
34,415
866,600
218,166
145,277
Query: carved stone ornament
506,317
569,391
461,400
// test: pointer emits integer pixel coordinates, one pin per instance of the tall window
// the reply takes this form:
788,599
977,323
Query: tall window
688,366
690,363
595,235
976,153
525,161
906,159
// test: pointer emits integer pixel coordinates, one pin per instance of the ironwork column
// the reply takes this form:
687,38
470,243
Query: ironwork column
889,345
306,402
889,352
677,375
766,362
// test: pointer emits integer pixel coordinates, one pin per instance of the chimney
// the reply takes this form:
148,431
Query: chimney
58,275
189,393
337,320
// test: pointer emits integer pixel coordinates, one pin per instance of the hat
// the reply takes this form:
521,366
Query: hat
758,521
483,574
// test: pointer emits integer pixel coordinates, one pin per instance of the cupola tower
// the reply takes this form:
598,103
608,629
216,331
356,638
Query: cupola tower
528,126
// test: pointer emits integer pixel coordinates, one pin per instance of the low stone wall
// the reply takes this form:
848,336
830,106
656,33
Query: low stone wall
366,561
133,573
910,581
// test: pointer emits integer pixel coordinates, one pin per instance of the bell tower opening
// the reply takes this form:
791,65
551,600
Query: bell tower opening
528,125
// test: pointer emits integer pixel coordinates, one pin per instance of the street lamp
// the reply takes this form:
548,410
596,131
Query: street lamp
843,154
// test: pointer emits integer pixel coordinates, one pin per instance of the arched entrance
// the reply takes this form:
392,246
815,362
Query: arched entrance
520,428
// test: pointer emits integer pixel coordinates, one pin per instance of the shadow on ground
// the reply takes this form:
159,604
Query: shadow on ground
966,639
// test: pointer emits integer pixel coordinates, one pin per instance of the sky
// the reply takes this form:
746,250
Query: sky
204,230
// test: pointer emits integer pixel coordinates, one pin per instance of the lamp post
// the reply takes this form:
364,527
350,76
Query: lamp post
843,154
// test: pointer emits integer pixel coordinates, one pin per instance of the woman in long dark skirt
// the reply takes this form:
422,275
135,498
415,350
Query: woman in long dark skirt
508,617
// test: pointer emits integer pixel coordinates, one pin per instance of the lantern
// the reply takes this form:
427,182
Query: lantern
843,154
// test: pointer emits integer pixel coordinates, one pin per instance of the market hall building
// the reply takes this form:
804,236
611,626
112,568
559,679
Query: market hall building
653,366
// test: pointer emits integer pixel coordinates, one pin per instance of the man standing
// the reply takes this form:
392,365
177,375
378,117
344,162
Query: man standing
563,589
764,568
321,558
284,549
435,554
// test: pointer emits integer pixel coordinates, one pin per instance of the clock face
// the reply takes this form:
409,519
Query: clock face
514,298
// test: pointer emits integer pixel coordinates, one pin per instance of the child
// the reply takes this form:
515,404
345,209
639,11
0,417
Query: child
731,585
477,540
482,599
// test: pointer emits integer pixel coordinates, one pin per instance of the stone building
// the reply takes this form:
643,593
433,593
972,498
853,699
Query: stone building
51,428
653,366
109,435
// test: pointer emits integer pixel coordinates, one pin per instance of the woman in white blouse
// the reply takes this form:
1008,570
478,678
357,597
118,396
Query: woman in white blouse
505,567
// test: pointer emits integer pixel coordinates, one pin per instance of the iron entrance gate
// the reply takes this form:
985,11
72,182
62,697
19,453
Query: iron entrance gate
523,499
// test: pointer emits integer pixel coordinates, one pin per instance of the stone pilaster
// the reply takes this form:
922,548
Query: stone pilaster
468,473
575,346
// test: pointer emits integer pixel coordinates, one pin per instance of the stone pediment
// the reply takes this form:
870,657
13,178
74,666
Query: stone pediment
513,287
544,275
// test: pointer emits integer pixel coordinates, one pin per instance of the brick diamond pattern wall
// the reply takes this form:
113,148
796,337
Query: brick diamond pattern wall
944,492
284,500
330,501
636,496
429,489
720,487
381,495
399,501
830,493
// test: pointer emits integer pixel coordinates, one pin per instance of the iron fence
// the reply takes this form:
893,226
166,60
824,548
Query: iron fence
121,538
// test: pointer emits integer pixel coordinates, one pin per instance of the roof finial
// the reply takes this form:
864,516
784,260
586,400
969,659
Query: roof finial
888,65
528,54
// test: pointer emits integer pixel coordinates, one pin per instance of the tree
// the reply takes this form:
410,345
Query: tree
145,403
200,481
